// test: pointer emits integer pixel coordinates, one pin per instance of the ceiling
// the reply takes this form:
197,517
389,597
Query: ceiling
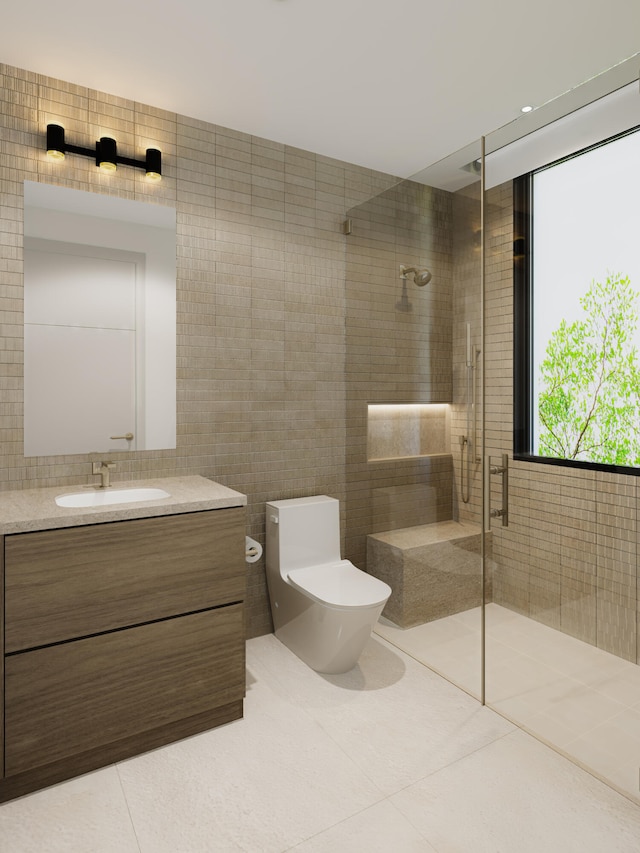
392,85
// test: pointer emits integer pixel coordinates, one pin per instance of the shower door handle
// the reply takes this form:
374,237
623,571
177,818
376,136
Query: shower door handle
503,512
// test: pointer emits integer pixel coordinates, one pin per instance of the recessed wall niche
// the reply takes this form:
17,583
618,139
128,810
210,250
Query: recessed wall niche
407,430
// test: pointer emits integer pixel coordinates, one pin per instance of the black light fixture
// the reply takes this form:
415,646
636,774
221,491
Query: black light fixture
55,142
105,153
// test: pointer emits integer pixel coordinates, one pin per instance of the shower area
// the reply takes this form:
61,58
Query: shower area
515,580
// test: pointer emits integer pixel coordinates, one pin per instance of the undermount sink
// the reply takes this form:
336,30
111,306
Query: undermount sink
102,497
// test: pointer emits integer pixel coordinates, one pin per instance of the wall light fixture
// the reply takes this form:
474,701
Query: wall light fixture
105,153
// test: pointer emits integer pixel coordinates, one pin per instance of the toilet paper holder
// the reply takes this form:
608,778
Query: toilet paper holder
253,550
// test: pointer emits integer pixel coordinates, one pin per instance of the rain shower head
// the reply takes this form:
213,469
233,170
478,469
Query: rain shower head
420,276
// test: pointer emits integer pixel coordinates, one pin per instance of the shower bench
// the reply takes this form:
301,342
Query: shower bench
434,570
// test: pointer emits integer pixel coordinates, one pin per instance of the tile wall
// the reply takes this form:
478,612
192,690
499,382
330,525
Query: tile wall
570,556
398,350
278,357
261,299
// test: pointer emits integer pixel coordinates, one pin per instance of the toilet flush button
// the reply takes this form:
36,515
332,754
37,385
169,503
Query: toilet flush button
274,519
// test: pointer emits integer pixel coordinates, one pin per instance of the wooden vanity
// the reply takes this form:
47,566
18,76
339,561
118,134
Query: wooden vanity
121,633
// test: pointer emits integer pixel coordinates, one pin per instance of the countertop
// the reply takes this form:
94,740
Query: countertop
35,509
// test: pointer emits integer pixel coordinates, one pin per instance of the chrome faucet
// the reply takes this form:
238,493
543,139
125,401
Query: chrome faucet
103,469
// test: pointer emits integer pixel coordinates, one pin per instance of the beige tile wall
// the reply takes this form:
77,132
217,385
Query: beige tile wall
398,350
260,295
569,557
277,358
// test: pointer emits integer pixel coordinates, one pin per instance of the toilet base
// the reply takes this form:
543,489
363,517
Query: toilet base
328,640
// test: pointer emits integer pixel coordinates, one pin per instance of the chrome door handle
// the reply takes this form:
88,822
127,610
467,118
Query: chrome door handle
128,436
503,512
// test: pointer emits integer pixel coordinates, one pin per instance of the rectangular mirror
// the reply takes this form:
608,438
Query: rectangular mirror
99,323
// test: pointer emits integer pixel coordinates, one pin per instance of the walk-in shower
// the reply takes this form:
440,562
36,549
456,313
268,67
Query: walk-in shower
539,618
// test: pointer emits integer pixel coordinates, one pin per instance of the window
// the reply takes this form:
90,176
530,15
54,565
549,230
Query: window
577,309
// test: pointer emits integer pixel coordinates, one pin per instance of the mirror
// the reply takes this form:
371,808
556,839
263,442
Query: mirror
99,323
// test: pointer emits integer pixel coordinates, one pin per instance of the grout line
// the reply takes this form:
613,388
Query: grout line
124,794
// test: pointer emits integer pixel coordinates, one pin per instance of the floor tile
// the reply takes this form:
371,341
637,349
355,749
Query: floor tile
438,631
497,615
612,749
523,688
373,711
517,795
551,730
618,680
553,685
264,783
85,814
471,618
579,707
376,725
378,829
449,646
380,667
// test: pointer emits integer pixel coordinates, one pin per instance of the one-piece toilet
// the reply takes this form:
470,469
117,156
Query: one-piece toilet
323,608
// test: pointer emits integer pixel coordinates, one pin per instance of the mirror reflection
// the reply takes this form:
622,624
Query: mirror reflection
99,323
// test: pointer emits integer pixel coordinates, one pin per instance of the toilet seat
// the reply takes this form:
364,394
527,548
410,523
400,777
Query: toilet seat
340,584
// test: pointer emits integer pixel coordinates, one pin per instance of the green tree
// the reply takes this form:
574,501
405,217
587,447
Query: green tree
589,402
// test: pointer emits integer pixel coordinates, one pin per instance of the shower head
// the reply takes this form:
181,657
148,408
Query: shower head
420,276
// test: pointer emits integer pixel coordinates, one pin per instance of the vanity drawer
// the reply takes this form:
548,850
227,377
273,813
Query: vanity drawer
88,693
81,581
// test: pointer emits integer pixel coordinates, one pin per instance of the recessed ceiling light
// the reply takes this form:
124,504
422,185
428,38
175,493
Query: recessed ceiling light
526,109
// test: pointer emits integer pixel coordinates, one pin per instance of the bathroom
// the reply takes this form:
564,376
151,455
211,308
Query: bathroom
273,386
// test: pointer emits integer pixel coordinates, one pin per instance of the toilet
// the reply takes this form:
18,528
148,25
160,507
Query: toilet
323,608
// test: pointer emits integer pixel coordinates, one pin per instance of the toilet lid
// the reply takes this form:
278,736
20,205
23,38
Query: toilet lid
340,585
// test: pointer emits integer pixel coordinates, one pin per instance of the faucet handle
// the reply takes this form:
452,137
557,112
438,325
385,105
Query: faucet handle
102,468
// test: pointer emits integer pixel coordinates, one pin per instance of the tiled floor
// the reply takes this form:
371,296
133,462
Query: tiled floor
387,757
582,700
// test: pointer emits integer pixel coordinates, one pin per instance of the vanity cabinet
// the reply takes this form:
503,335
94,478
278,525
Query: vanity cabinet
119,637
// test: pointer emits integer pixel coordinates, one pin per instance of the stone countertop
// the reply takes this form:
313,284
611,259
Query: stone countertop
25,510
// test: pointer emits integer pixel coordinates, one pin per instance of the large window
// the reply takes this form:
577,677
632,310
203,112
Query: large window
577,308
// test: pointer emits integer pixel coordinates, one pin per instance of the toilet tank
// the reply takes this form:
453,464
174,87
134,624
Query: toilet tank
302,532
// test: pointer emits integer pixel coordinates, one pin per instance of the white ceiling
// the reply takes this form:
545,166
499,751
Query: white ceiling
392,85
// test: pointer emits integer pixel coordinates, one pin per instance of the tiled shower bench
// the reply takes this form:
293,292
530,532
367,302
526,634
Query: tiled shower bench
434,570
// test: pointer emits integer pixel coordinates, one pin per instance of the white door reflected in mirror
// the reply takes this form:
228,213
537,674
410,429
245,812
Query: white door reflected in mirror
99,323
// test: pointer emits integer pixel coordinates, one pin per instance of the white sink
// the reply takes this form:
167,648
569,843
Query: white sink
102,497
